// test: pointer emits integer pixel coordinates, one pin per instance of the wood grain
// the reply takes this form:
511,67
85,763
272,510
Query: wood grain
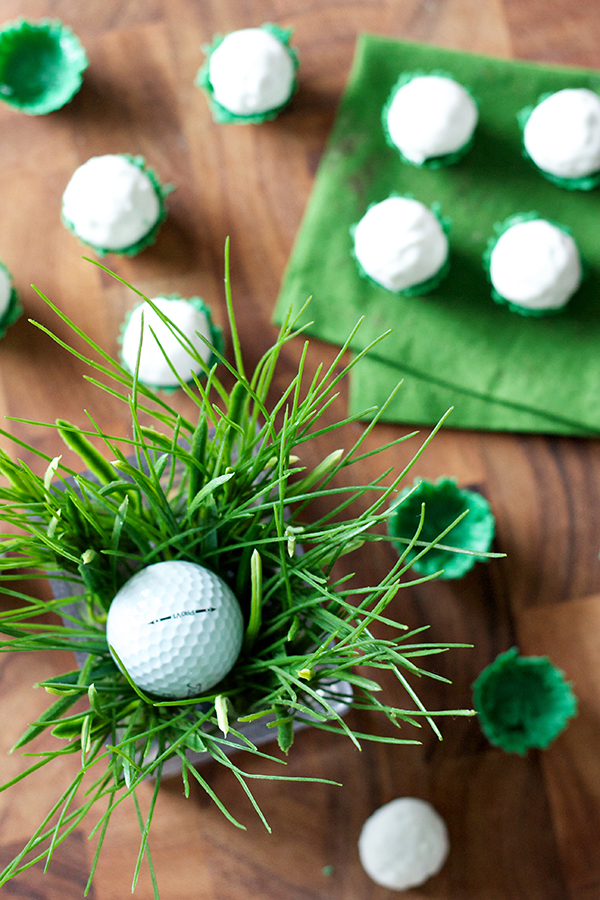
520,828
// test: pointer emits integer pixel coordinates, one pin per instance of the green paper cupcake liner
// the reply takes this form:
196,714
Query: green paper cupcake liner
499,229
219,112
162,192
14,308
584,183
523,702
432,162
423,287
41,65
216,337
443,503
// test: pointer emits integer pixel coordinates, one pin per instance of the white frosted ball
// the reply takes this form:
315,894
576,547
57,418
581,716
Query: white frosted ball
5,290
535,265
403,843
562,134
110,202
153,367
251,72
430,116
400,243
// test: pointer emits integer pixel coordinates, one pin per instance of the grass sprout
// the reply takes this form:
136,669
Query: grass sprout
228,489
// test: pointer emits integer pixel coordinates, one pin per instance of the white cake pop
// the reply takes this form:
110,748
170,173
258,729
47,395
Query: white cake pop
399,243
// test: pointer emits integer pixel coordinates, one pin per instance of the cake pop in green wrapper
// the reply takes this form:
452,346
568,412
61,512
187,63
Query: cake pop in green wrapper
249,75
441,503
561,137
402,245
430,119
522,702
10,305
115,204
41,65
533,264
164,341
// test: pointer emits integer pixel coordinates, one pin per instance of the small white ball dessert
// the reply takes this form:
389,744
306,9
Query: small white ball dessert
429,117
562,136
534,267
403,843
113,203
10,305
190,318
176,627
400,244
251,72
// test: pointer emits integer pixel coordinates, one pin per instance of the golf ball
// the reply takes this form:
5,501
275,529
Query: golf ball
176,627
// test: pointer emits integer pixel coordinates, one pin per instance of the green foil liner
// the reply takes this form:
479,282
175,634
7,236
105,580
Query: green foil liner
444,502
41,65
499,229
432,162
423,287
584,183
523,702
225,116
216,337
162,192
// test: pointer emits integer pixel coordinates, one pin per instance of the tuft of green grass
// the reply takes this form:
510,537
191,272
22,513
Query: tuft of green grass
226,489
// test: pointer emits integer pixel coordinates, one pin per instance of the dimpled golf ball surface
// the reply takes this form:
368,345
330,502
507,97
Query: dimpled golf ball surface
176,627
403,843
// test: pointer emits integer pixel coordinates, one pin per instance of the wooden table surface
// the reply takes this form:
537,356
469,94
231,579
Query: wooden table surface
519,827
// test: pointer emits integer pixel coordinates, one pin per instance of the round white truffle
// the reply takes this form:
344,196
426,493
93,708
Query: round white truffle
403,843
110,202
431,115
251,72
536,265
400,243
5,290
153,368
562,134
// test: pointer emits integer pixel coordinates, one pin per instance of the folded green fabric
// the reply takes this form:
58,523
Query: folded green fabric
454,346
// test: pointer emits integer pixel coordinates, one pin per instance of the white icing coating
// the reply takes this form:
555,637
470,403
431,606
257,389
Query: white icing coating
562,134
536,265
153,368
5,290
110,202
431,115
403,843
251,72
400,243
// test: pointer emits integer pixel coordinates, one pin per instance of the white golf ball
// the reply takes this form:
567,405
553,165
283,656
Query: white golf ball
176,627
403,843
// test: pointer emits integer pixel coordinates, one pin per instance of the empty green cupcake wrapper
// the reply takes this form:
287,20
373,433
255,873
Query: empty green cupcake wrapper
432,162
41,65
225,116
162,192
443,503
216,337
523,702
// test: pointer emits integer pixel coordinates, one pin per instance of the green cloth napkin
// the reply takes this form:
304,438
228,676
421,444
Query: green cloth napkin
454,346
